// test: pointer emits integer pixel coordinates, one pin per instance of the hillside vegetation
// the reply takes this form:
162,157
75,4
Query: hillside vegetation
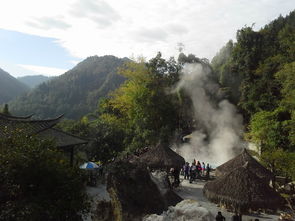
74,93
258,74
34,80
10,87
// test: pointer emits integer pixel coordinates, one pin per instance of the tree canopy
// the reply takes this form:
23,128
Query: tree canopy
261,63
37,183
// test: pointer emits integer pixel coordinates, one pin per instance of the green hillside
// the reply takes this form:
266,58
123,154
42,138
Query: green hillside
74,93
10,87
258,74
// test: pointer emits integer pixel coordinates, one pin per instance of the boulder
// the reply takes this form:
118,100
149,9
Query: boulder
132,191
103,211
160,178
188,210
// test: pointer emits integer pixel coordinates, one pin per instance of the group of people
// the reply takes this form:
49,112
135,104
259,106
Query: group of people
196,170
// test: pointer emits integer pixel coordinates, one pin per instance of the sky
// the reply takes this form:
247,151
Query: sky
50,37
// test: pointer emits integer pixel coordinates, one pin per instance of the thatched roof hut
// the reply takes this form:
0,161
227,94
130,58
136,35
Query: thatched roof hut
162,157
242,190
239,161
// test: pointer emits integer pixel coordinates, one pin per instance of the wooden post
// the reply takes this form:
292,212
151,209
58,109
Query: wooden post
72,157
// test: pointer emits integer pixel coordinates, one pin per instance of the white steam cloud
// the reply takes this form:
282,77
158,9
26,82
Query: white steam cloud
219,126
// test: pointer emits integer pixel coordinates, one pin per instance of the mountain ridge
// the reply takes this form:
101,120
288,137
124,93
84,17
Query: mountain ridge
74,93
10,87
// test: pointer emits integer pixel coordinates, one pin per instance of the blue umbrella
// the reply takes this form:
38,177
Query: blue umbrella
89,165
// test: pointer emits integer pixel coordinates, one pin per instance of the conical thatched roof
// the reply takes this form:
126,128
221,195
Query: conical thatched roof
242,190
239,161
162,157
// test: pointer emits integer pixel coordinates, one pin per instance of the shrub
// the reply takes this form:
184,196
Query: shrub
37,183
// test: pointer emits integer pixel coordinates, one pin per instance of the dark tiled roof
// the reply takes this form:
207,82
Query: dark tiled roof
43,128
10,125
61,138
15,117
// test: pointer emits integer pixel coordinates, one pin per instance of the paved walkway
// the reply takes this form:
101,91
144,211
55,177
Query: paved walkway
195,191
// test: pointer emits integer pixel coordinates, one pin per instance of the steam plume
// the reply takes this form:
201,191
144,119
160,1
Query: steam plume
219,128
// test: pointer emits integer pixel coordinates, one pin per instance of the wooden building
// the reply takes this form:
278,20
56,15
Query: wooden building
44,129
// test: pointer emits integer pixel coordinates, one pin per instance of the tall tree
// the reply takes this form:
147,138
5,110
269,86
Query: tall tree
142,106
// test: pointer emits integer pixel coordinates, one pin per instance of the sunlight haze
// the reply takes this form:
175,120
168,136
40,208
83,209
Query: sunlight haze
56,35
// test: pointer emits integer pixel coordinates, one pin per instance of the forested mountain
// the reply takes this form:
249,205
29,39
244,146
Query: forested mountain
34,80
258,74
10,87
247,69
74,93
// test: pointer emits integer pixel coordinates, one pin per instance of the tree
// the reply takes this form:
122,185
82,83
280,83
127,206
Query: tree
141,107
286,78
268,131
37,183
140,113
228,79
280,162
264,60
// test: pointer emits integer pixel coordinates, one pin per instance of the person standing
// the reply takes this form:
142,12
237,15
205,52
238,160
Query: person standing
199,169
186,171
192,172
219,217
203,169
176,177
208,171
236,217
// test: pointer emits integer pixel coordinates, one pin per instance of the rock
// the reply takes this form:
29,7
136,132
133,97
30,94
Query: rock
171,198
103,211
161,180
132,191
101,208
189,210
288,188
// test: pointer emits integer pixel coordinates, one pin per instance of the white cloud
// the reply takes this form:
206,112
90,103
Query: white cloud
151,34
98,11
47,71
126,27
48,23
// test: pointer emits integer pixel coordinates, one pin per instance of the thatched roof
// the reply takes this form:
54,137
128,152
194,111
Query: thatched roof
239,161
242,190
162,157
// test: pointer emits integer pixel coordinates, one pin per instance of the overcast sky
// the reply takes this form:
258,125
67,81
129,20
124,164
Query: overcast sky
50,36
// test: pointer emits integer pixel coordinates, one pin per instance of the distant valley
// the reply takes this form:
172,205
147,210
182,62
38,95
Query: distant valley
34,80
